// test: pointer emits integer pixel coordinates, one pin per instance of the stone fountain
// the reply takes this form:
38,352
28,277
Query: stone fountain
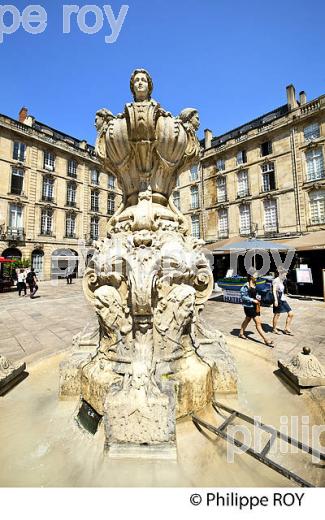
151,359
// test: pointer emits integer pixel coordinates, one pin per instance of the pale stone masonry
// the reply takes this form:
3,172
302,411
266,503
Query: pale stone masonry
52,192
267,176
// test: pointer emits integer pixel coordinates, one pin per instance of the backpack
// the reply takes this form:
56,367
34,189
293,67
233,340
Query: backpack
267,298
30,278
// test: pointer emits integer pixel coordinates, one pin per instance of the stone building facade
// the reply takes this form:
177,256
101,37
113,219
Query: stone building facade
53,195
264,179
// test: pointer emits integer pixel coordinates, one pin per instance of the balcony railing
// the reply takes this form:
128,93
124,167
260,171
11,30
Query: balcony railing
47,198
271,229
94,208
47,232
242,193
244,232
317,176
223,234
316,221
71,203
70,235
15,234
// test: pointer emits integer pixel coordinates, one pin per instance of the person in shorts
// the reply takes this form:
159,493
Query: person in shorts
280,305
31,281
251,304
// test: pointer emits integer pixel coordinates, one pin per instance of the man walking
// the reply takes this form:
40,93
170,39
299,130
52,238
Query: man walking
32,282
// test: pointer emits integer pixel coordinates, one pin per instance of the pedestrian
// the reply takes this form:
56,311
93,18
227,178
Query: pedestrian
69,278
21,283
252,309
280,305
32,280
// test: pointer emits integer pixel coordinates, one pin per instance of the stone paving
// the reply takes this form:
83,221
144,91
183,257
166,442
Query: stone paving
32,329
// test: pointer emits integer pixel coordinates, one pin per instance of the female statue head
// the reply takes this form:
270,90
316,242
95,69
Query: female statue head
141,85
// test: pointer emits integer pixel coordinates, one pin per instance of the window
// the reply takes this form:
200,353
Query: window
177,199
15,217
47,193
266,148
220,164
17,181
270,216
94,176
195,226
71,194
70,225
111,182
241,157
37,262
72,168
94,200
19,153
49,161
221,189
194,197
245,219
94,228
311,132
242,180
317,207
223,223
268,177
110,204
315,164
46,221
194,173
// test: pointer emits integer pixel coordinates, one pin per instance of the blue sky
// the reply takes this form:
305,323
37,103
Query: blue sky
230,59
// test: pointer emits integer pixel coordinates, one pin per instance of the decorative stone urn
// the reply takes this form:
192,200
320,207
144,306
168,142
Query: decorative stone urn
151,359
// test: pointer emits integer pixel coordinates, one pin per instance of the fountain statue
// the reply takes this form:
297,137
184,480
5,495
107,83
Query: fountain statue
151,359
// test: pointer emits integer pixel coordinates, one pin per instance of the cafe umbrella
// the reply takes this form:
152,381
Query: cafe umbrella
255,245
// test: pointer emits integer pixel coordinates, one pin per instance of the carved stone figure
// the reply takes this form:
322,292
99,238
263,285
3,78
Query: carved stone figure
304,369
148,281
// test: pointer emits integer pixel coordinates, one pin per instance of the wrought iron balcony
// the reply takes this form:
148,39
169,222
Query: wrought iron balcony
47,198
223,234
47,232
271,229
71,203
15,234
72,173
245,232
317,221
70,235
243,193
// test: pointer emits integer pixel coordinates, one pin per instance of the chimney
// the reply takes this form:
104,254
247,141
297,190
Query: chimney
291,97
23,114
302,98
207,138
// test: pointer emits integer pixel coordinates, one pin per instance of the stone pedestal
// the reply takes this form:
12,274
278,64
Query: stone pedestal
10,374
303,371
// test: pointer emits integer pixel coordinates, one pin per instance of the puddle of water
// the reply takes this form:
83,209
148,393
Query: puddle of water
41,444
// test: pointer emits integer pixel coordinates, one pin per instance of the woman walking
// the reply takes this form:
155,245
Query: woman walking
251,303
281,305
21,282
